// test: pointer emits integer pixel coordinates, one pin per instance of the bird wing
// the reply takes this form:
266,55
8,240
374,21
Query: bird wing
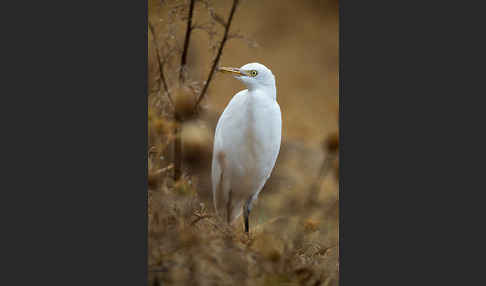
220,183
217,170
270,135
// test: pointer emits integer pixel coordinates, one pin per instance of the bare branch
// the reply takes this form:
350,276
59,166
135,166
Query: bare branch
161,65
218,56
186,41
182,75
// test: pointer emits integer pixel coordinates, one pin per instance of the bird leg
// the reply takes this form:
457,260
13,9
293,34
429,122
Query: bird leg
246,212
228,207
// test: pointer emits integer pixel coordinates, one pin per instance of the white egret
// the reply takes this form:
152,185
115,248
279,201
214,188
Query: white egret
246,142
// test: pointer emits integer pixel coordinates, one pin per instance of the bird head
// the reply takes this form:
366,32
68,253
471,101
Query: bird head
253,75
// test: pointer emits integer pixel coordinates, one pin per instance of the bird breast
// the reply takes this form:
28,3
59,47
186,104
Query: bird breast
251,134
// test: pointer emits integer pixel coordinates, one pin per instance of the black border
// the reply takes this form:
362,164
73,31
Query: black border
409,130
74,210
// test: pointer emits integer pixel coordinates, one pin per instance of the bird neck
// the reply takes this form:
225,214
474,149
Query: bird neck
267,90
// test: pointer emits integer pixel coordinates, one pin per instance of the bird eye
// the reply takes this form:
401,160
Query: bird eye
253,73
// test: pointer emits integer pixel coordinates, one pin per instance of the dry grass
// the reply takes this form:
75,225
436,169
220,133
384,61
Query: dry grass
292,241
294,225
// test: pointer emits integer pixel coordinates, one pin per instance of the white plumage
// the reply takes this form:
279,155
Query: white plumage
246,142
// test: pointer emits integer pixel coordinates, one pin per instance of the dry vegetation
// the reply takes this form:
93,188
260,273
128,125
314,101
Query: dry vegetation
294,225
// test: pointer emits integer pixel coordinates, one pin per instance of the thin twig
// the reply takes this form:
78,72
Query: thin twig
199,217
216,60
161,66
186,41
215,16
326,165
251,43
323,171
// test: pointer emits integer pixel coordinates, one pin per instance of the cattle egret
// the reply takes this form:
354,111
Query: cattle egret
246,142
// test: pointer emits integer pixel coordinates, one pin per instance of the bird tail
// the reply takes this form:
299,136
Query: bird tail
227,204
217,180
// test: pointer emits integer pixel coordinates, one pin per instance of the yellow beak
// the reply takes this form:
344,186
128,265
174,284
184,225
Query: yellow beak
232,70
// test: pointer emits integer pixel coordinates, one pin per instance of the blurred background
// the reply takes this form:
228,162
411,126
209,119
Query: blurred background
294,224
